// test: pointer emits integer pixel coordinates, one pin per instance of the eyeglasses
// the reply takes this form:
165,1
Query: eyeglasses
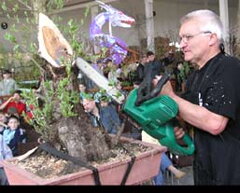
187,38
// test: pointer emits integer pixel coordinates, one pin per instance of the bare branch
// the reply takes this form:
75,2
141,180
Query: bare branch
25,4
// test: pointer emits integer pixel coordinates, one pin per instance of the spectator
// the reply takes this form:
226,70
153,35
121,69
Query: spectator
5,153
104,114
14,102
140,70
165,164
153,67
14,135
169,58
83,89
8,85
106,66
2,122
99,66
114,72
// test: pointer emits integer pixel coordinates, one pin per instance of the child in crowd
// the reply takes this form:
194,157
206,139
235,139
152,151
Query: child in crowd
14,102
5,153
2,122
14,135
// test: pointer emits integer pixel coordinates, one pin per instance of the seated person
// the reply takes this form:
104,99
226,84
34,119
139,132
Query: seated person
3,120
165,164
7,84
82,90
104,113
15,101
5,153
14,135
101,114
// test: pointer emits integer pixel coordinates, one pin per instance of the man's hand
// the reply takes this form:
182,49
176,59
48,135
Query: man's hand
167,87
11,99
155,80
14,98
179,133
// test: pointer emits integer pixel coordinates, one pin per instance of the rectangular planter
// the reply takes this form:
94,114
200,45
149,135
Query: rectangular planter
145,167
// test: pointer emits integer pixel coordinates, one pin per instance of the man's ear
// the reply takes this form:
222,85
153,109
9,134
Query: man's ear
213,39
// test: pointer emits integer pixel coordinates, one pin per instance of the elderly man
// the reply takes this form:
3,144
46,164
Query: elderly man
211,104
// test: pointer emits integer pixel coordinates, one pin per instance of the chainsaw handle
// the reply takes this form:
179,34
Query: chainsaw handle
169,140
159,85
142,96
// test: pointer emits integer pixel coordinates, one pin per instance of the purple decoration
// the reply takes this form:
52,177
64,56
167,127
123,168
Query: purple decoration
116,46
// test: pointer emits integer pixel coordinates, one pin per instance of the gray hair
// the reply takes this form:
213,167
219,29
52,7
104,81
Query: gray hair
209,21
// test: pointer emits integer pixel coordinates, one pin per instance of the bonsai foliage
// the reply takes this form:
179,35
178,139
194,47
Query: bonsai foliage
43,114
58,115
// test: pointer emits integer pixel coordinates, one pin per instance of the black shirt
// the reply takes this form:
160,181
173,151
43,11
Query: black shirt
216,87
140,73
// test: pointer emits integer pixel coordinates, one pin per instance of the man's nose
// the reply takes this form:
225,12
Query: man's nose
182,44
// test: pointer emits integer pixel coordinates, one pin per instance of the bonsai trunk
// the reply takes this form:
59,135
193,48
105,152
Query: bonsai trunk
76,133
81,139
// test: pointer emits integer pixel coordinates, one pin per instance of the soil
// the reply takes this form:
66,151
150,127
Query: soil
47,166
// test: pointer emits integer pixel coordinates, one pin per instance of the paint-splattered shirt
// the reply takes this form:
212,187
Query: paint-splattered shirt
216,87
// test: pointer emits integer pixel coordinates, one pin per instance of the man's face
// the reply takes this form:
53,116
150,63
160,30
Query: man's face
151,58
104,103
193,42
144,60
6,75
88,105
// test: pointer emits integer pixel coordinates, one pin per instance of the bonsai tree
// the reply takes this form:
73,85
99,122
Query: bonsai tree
58,115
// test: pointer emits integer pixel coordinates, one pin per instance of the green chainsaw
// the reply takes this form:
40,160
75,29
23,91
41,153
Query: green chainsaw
155,114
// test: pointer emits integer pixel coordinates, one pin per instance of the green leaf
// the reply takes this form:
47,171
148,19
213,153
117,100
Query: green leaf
4,7
70,22
86,12
16,47
32,47
15,8
10,37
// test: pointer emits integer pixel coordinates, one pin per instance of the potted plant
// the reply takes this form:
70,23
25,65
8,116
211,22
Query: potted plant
62,122
131,170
